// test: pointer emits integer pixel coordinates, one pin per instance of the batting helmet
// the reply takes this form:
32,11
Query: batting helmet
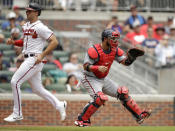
35,7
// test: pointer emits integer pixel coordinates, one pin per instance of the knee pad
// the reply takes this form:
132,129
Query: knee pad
123,93
100,98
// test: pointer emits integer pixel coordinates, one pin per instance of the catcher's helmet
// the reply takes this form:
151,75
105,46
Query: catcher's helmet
35,7
108,33
112,35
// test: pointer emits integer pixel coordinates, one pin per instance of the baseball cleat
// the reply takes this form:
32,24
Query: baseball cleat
145,114
13,118
82,123
63,111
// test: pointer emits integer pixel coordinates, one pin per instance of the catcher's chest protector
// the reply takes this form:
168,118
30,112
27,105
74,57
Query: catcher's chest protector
104,59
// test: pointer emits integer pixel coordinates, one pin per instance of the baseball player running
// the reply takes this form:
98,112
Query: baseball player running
35,35
97,63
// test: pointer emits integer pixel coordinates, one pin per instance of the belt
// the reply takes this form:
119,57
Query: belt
28,55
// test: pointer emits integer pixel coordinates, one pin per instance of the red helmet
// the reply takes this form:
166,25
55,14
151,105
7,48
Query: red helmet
112,35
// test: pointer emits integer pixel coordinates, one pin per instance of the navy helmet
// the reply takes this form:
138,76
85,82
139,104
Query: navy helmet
35,7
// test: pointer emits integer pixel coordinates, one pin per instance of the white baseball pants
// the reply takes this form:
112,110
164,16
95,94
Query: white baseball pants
30,72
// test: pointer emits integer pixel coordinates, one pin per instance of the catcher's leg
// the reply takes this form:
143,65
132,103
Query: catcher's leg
93,86
90,109
131,106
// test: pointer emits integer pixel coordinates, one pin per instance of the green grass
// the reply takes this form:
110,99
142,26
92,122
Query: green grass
69,128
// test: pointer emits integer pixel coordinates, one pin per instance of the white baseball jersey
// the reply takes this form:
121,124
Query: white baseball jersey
35,36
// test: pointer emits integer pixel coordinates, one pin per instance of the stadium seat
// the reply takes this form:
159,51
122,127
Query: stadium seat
5,87
48,67
26,87
7,34
58,54
57,87
5,72
63,59
6,58
4,47
1,21
9,53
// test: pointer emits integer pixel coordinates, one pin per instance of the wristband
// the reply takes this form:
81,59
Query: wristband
94,68
19,42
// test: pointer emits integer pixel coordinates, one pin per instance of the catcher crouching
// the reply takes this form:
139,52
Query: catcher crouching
97,63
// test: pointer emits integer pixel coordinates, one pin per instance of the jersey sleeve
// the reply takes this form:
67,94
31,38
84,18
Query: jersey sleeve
44,32
87,59
120,56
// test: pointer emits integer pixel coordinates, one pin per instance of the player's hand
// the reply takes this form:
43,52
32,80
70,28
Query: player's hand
10,41
39,59
102,69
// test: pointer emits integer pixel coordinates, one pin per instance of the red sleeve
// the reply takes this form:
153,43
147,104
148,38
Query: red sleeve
19,43
94,68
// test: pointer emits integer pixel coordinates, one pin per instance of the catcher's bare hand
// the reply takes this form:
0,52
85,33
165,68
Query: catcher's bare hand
102,69
10,41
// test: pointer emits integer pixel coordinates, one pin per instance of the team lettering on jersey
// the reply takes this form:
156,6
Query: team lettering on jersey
31,32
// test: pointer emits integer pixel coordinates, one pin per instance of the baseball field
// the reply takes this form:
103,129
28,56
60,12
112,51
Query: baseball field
96,128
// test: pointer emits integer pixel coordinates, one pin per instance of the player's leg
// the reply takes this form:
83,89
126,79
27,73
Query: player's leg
25,71
131,105
37,87
122,93
94,88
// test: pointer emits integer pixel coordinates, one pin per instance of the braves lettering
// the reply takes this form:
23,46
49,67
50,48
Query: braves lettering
31,32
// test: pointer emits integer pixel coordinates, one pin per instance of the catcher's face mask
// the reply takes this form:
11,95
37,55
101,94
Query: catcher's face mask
114,39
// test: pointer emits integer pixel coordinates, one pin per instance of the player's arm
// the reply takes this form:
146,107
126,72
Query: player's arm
19,42
90,68
52,45
94,68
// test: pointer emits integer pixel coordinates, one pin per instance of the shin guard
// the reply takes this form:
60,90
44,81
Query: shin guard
92,107
128,102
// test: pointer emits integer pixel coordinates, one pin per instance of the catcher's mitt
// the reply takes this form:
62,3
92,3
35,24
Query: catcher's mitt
135,52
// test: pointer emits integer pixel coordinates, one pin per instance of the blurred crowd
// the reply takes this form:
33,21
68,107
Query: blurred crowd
157,39
106,5
84,5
